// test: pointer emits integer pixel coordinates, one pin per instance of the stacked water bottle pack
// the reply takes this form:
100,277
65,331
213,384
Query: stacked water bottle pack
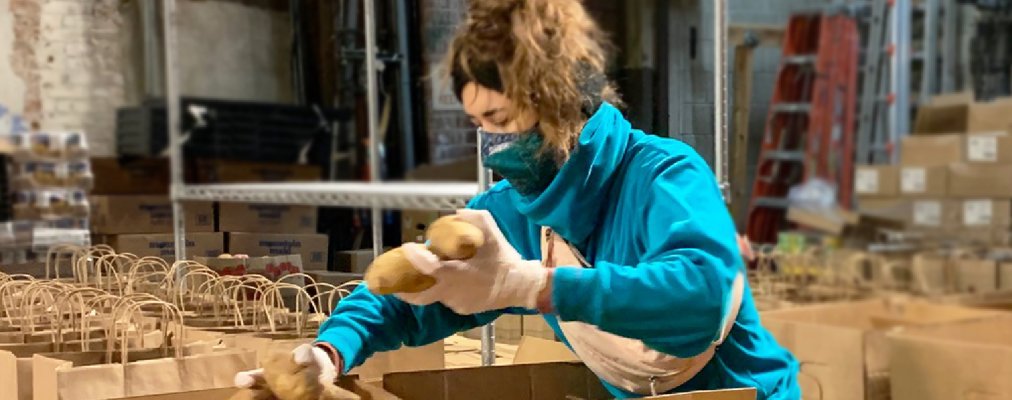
50,177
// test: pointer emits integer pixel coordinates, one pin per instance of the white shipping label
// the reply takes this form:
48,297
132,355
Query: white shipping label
977,212
866,181
982,148
914,180
928,213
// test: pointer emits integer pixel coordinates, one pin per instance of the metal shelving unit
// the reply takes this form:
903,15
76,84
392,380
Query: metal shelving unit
374,194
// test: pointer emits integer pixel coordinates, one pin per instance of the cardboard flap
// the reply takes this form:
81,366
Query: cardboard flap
970,360
537,350
525,382
731,394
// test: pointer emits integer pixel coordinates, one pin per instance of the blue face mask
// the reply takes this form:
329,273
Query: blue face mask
518,159
492,143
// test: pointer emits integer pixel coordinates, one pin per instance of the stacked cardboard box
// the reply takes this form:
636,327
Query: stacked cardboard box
142,225
267,229
952,185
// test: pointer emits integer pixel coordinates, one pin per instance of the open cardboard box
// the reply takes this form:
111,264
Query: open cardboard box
542,370
843,348
967,360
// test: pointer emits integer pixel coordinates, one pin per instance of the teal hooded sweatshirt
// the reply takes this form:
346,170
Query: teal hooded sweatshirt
647,213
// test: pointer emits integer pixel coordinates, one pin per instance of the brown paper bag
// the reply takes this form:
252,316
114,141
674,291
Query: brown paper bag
127,372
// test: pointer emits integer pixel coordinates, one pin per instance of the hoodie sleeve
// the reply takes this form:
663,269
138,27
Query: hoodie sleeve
363,323
675,298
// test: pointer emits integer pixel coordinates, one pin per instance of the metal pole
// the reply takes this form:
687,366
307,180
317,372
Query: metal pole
900,74
720,96
929,83
169,19
372,91
407,119
152,61
487,331
950,45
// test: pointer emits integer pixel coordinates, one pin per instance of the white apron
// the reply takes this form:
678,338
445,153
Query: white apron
626,363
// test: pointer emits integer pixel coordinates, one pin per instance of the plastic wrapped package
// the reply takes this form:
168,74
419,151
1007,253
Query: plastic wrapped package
50,145
79,175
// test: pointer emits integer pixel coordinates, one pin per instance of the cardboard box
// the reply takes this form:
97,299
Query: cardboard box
959,113
880,203
977,276
534,350
828,222
355,261
984,213
989,148
930,213
931,151
146,214
163,245
312,248
876,181
364,391
266,218
530,381
335,278
145,176
922,182
856,365
415,222
223,171
965,360
987,236
944,114
980,181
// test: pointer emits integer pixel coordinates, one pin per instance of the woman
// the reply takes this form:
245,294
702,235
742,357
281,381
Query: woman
642,275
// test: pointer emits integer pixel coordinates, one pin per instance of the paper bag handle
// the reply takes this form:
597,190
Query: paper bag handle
171,318
61,304
321,289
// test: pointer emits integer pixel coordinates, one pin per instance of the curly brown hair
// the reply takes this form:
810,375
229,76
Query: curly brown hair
546,56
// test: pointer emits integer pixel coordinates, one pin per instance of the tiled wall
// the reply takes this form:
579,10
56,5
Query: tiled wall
691,89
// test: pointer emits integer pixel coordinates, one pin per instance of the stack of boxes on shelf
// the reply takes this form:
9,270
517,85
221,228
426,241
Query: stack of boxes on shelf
133,213
50,176
267,229
954,181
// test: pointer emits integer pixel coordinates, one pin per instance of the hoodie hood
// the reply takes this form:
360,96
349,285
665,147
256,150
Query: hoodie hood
572,204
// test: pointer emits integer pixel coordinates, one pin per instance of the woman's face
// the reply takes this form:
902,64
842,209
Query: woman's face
490,110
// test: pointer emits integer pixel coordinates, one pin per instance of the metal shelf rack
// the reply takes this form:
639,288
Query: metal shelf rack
374,194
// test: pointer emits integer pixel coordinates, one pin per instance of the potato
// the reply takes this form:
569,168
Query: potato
450,238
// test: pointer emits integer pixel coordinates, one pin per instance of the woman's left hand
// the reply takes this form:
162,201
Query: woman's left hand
497,277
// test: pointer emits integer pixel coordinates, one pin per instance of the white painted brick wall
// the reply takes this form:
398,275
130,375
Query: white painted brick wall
69,60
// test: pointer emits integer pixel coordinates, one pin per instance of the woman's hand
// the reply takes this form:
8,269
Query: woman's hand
494,279
314,358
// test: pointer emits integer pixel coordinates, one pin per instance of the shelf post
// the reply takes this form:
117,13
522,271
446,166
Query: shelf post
169,20
487,331
899,109
720,97
372,91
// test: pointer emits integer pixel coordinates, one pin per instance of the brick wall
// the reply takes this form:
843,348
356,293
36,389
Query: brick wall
67,57
73,62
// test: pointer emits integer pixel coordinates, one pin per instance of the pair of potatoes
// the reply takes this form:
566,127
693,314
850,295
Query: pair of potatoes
449,238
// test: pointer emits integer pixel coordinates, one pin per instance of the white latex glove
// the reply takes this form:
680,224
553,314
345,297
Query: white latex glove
315,359
495,278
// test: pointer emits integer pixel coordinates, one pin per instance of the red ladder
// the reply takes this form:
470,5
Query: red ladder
810,126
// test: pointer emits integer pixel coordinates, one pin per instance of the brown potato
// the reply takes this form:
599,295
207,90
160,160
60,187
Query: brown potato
450,238
289,381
